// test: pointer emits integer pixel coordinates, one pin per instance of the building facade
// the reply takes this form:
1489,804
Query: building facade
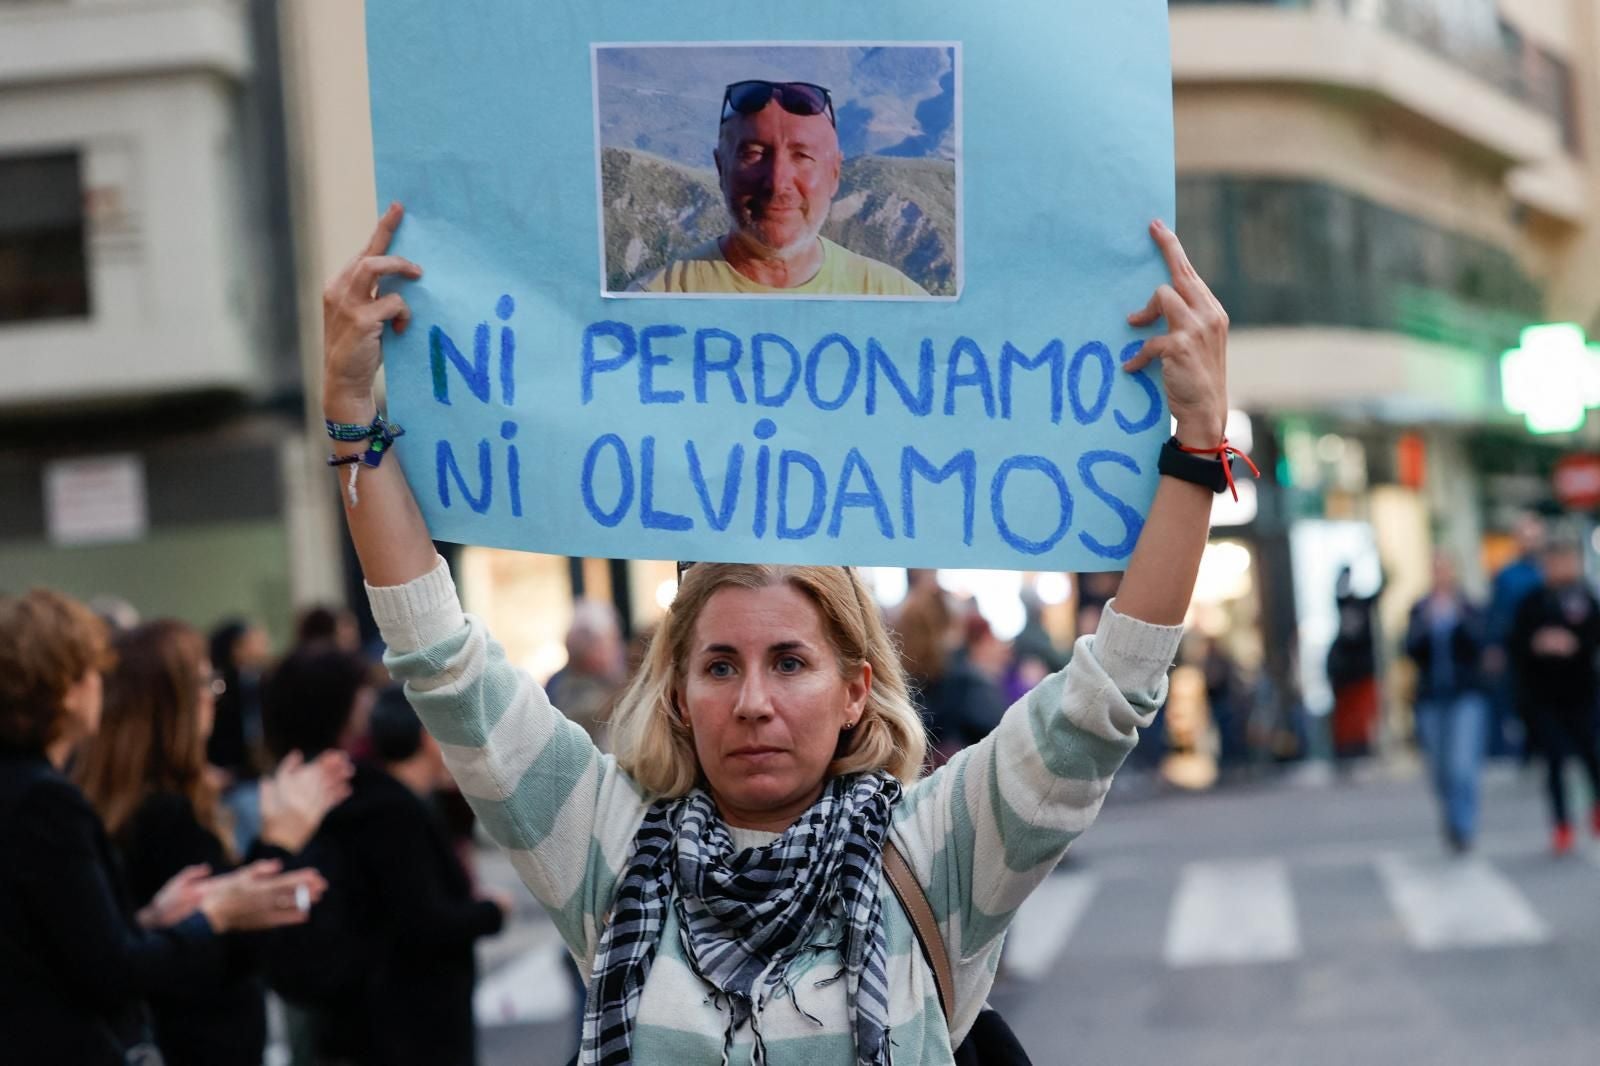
150,415
1384,193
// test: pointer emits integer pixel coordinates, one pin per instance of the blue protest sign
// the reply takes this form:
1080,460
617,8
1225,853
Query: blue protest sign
833,282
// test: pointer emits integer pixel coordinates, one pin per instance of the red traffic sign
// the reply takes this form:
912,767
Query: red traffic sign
1577,482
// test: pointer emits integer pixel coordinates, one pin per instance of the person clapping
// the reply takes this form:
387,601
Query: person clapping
78,958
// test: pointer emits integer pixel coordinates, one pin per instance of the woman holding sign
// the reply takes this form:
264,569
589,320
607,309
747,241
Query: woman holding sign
761,833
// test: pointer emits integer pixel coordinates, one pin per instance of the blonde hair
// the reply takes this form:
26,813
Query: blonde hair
651,740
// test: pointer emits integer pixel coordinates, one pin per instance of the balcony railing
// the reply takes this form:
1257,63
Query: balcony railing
1296,253
1467,33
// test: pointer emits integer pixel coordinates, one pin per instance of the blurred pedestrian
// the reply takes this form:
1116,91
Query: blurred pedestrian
1034,654
117,613
1444,637
1353,669
336,625
1554,644
240,651
77,958
384,977
924,625
597,665
1508,734
924,628
146,774
967,701
1227,701
318,698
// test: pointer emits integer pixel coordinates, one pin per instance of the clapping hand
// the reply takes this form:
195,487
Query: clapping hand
177,899
296,798
260,896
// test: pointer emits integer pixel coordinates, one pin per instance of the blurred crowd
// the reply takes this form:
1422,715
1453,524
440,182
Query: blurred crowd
190,821
187,823
1516,676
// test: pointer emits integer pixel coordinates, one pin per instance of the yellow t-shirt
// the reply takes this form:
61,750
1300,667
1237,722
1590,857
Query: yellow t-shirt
843,273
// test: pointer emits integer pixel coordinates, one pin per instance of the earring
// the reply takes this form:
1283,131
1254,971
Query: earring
849,726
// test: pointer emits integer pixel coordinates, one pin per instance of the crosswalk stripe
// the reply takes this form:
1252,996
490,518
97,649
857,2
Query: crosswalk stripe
1459,903
1232,912
534,988
1044,923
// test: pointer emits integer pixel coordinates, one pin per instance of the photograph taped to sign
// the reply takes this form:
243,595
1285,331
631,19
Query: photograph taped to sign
779,171
985,423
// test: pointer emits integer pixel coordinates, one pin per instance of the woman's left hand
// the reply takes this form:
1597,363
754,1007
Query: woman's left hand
1193,351
295,799
178,898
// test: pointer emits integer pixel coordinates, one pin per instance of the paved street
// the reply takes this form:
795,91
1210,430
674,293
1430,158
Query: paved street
1294,923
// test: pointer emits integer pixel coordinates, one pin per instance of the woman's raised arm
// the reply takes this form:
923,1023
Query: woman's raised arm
1160,578
390,535
989,826
536,781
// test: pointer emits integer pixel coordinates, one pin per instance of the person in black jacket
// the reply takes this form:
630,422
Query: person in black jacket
1554,648
147,776
77,960
1352,667
392,952
1445,638
239,653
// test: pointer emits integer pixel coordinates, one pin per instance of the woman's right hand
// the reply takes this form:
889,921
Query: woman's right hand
390,535
353,317
260,896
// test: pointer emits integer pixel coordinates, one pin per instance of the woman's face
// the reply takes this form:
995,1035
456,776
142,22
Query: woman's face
763,696
82,703
206,708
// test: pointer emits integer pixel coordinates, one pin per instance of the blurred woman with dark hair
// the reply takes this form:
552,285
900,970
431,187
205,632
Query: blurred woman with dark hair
146,774
328,625
317,699
239,652
77,960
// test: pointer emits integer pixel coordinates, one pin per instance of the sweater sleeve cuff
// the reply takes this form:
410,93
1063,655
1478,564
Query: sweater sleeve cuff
1135,655
419,613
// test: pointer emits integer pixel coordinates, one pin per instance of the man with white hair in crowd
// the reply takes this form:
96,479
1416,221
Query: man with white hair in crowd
597,664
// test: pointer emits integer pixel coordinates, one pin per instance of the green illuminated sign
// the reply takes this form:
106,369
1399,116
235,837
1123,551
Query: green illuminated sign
1553,379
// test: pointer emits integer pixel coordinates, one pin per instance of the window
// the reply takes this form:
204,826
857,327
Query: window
43,266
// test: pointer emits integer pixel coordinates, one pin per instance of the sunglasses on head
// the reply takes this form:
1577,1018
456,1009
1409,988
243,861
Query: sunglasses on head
795,97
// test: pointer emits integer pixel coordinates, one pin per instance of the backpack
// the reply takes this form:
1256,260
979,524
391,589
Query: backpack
990,1041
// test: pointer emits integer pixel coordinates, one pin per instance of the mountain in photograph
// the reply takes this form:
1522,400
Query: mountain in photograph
901,211
893,100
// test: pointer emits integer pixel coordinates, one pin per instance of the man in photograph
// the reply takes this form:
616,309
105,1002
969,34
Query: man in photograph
778,163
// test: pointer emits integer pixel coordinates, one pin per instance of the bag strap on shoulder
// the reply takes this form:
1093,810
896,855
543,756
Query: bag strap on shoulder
915,901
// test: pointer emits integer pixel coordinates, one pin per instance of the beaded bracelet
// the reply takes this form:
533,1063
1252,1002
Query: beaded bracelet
352,431
380,436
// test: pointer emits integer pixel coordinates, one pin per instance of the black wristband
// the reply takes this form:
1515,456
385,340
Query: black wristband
1203,470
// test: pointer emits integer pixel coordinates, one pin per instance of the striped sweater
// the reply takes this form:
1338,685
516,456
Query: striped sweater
981,832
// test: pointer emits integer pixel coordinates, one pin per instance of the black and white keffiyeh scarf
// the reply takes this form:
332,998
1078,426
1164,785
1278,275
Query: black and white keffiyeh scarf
747,917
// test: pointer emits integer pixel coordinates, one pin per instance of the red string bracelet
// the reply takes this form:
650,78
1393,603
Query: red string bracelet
1224,453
